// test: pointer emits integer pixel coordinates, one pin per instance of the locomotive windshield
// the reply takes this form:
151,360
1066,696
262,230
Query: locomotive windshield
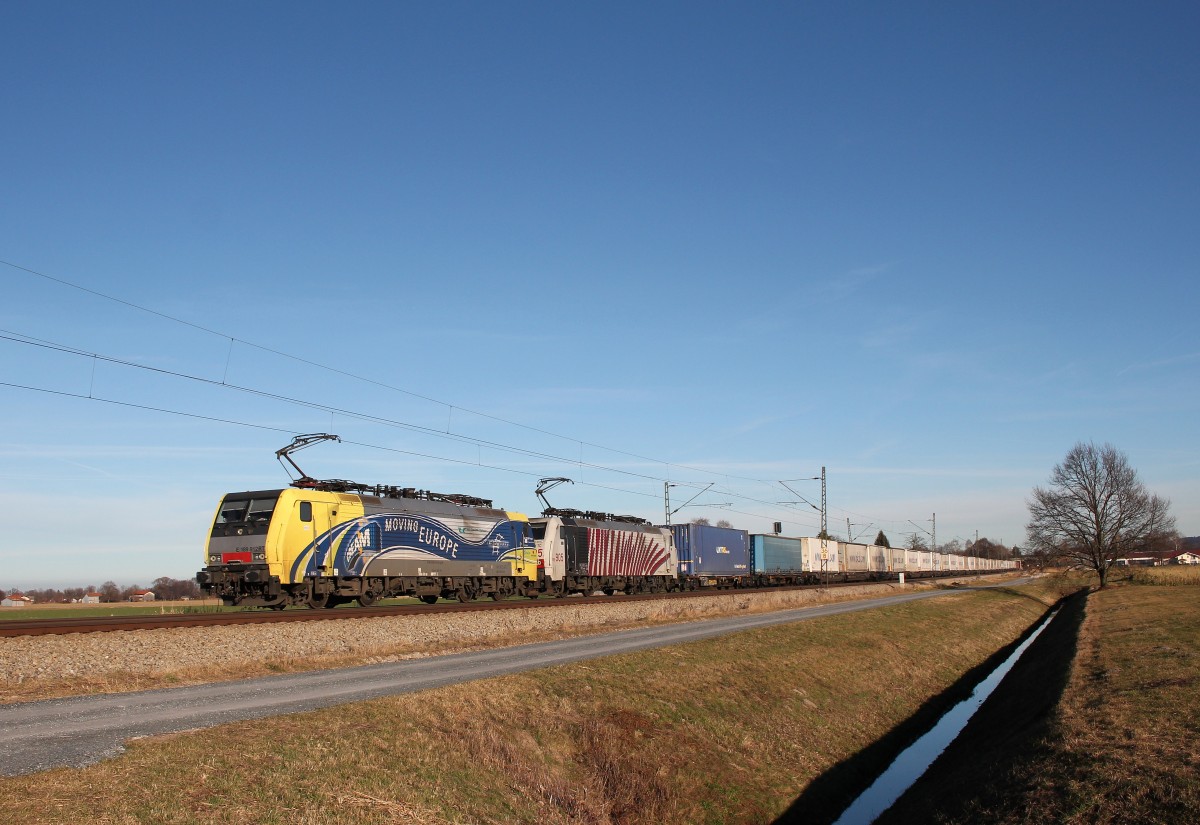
247,510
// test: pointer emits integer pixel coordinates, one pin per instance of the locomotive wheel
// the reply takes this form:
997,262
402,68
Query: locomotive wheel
367,598
462,595
279,606
496,595
429,599
317,601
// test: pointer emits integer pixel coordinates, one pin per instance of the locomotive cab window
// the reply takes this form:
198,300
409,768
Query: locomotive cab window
260,510
306,511
246,511
232,511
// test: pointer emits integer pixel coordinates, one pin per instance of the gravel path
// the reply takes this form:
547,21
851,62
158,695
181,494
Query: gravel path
39,735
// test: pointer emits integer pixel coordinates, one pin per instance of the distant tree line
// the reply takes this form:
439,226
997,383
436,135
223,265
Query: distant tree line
701,520
164,588
984,548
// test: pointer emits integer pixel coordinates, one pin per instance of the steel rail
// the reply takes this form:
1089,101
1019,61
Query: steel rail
157,621
104,624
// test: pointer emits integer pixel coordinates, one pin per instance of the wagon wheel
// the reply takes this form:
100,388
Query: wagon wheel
429,599
607,591
463,595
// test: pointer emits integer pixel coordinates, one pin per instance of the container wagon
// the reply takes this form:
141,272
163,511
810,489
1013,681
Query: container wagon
715,556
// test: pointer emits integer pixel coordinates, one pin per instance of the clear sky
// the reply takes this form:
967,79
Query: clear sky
928,246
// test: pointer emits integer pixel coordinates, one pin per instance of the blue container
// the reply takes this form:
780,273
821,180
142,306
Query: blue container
776,554
711,551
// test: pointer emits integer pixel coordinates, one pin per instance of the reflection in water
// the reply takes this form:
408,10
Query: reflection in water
917,757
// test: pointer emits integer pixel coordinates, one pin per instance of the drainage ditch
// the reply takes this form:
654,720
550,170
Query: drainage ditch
912,763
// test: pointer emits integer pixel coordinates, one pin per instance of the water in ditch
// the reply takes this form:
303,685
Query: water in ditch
914,760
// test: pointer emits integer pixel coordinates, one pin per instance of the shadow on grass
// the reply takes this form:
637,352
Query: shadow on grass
999,732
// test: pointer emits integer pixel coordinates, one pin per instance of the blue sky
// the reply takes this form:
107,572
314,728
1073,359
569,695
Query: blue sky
927,246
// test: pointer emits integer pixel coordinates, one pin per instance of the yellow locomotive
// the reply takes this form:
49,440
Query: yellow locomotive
322,545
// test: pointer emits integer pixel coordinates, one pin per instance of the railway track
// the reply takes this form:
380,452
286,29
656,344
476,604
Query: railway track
106,624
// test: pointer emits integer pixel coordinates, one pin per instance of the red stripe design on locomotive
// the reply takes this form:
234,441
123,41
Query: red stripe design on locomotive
244,558
621,553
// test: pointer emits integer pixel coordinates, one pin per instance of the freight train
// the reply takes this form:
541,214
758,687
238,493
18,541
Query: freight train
323,543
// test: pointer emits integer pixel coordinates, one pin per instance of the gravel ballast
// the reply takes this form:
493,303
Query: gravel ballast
299,645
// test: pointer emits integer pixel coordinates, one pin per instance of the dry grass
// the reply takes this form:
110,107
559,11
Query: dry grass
1120,745
1179,574
727,730
1128,729
58,685
125,681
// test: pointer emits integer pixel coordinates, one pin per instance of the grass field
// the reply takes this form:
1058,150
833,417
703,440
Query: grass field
1119,743
728,730
1178,574
81,611
66,611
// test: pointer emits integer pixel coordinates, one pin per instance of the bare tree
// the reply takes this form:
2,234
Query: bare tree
915,542
167,588
109,592
723,523
700,520
985,548
1095,510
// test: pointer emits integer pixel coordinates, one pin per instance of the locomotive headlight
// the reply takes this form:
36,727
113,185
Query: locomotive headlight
260,556
214,559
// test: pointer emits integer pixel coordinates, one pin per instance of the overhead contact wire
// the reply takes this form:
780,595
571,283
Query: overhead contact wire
29,340
347,374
